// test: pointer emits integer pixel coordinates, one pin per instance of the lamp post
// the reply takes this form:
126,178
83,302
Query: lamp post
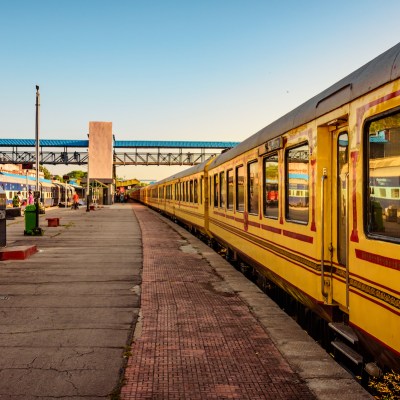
88,185
37,230
66,180
37,136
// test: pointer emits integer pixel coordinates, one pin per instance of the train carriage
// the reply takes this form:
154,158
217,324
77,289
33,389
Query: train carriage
14,183
312,202
189,197
329,237
46,192
181,196
51,193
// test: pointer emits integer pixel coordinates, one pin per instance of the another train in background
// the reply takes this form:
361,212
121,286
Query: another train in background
52,193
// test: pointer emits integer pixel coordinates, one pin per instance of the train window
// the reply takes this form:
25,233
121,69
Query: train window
240,188
383,175
297,174
222,198
252,182
342,195
216,190
209,191
271,186
229,179
201,190
191,191
187,191
195,190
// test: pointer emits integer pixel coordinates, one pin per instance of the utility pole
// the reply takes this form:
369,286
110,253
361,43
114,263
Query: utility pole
88,185
37,136
37,230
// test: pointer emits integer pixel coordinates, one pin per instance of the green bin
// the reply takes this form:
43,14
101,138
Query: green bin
30,219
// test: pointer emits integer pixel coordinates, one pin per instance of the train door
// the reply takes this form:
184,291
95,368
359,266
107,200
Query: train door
340,212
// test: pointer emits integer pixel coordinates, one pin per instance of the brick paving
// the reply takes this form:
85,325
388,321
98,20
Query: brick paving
198,339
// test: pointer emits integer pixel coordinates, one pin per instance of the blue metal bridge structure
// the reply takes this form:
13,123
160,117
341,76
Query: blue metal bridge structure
125,152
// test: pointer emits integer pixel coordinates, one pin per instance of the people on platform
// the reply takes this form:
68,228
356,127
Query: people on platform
16,200
75,199
30,198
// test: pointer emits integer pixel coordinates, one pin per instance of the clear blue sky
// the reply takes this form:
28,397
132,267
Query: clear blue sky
179,69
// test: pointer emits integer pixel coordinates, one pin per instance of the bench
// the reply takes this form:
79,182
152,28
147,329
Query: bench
53,222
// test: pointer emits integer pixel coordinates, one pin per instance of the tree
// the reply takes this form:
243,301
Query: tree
77,174
46,172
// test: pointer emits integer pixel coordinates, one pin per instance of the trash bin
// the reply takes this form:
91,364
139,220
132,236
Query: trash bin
30,219
3,234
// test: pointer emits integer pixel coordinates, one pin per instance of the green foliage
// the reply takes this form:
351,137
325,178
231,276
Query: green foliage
386,387
46,172
77,174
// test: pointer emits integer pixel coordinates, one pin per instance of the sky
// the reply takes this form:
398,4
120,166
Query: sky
214,70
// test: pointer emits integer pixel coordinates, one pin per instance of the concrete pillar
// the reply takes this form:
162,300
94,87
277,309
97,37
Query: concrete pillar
101,155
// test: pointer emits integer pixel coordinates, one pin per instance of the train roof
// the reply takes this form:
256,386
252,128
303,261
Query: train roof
28,177
381,70
190,171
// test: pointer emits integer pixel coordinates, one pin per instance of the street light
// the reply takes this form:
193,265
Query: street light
66,180
37,230
88,184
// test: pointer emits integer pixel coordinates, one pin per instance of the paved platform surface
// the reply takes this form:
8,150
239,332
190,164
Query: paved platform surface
206,332
201,330
68,311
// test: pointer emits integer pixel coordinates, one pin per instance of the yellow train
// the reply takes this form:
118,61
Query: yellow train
312,201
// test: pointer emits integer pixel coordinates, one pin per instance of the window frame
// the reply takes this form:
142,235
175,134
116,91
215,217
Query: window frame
201,189
287,185
264,196
222,189
255,185
216,190
230,205
366,193
191,191
237,197
195,191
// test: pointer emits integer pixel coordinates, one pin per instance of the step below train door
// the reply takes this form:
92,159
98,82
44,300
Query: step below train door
340,216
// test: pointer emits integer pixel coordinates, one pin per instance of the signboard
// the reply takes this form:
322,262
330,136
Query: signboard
271,145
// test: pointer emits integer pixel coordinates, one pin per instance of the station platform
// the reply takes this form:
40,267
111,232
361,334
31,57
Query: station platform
121,303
